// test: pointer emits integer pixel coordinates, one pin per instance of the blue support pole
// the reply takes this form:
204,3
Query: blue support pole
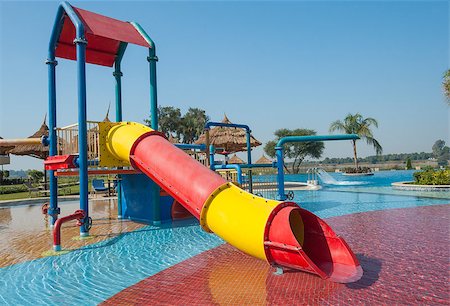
82,132
54,210
211,157
280,174
152,59
118,89
249,161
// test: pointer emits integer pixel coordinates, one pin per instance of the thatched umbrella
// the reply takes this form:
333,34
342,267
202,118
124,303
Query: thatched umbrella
33,150
4,150
231,140
235,160
263,160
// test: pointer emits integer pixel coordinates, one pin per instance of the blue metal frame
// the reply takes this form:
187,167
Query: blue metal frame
210,124
80,41
239,168
289,139
232,166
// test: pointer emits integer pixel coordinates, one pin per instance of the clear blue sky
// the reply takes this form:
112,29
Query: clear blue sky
270,65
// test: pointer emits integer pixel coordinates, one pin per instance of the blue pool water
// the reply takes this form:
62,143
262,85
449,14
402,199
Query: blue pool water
91,274
96,272
381,178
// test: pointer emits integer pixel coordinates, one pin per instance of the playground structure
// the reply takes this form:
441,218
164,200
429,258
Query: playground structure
158,181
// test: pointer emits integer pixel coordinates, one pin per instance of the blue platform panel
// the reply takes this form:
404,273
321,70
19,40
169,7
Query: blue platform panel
137,203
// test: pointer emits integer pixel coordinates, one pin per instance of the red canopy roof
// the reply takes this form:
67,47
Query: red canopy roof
103,34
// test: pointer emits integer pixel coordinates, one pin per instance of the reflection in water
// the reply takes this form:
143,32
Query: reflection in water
247,282
25,233
5,217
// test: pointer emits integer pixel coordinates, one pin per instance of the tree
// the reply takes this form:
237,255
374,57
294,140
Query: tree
408,164
438,148
357,124
186,128
441,152
169,121
193,124
446,85
297,151
35,175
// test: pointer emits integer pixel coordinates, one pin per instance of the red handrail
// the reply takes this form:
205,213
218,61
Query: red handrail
77,215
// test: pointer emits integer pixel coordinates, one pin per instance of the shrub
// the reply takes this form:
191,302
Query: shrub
35,175
432,177
13,181
359,170
12,189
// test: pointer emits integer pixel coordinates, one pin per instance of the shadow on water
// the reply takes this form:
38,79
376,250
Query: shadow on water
371,267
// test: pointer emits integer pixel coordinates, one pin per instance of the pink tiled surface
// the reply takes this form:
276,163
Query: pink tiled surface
404,253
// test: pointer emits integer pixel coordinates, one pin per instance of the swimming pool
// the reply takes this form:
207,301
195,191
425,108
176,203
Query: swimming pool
96,272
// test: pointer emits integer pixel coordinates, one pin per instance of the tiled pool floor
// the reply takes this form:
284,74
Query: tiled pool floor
25,233
404,254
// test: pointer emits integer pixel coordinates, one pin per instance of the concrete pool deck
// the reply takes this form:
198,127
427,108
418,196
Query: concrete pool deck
404,254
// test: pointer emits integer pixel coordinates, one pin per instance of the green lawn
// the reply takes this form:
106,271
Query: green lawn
74,190
14,196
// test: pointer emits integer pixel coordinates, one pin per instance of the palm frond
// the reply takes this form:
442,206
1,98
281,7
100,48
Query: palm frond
337,125
370,121
376,145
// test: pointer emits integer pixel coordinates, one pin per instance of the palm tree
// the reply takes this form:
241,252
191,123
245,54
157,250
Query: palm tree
357,124
446,85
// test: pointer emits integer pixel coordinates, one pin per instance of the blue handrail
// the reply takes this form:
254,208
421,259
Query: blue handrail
289,139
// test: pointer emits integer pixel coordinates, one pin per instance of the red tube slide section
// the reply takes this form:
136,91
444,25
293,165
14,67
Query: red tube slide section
281,233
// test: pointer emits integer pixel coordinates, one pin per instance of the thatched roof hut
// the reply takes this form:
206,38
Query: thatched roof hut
235,160
229,139
263,160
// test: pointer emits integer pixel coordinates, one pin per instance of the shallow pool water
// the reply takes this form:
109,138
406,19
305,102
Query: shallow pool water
93,273
96,272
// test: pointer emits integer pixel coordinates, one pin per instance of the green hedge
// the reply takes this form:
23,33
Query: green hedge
12,189
432,177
